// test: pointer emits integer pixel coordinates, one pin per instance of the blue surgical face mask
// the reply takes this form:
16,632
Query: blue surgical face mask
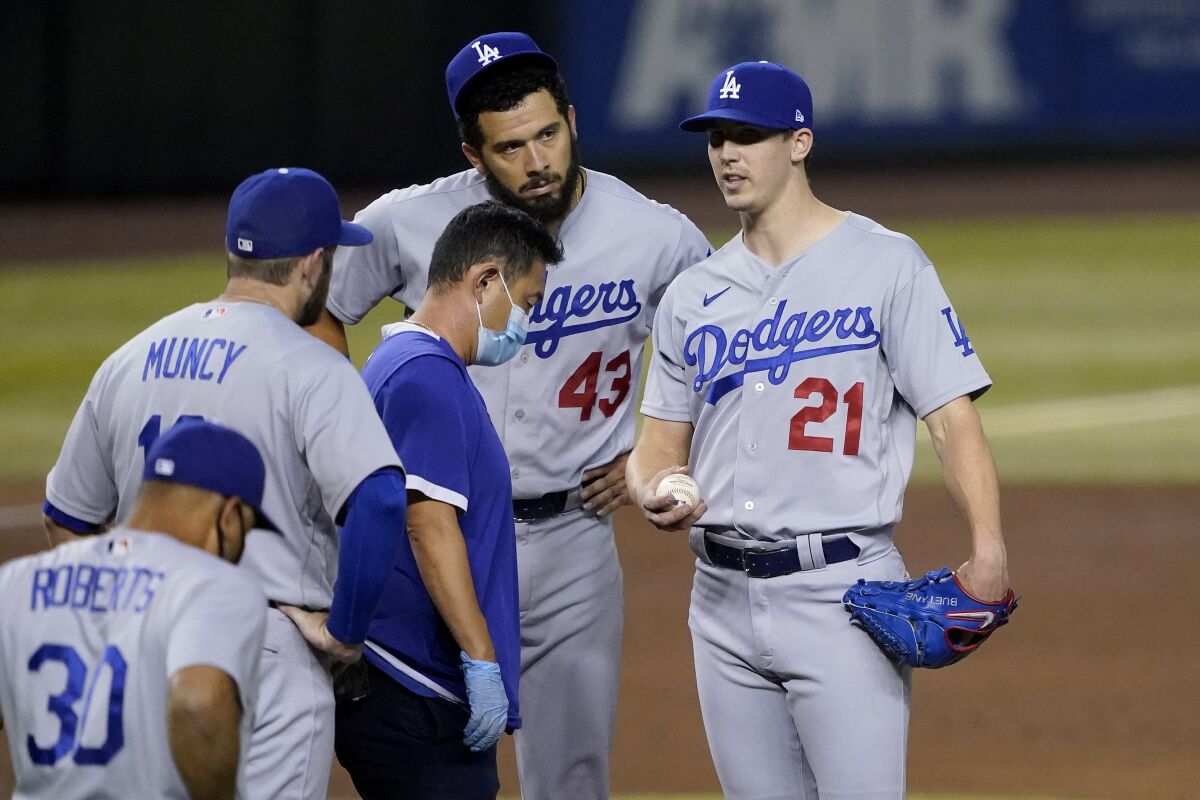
496,347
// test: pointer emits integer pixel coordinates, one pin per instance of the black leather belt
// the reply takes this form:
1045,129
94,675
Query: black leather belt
760,562
548,505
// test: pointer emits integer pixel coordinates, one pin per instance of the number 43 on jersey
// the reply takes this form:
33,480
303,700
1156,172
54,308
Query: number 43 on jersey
581,388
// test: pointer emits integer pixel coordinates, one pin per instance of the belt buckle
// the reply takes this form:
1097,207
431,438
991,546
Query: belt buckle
749,551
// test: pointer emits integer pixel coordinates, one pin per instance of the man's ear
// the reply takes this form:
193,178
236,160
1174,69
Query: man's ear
231,513
474,157
481,275
310,268
801,144
571,120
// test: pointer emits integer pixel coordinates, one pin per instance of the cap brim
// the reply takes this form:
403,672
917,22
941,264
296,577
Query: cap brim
355,235
699,124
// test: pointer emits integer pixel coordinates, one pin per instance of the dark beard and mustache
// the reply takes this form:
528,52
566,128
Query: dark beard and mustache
548,209
310,312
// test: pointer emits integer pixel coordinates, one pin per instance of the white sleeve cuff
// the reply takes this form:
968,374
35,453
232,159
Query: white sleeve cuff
431,490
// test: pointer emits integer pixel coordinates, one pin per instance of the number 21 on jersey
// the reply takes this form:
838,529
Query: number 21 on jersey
799,439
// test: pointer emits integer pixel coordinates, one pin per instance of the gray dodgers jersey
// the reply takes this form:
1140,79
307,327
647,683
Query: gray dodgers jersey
565,403
804,382
247,366
91,635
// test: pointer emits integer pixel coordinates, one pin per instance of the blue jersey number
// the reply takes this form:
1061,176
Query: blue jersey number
62,705
153,429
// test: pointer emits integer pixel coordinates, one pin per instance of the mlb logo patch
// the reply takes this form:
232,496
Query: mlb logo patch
246,245
164,467
120,547
214,312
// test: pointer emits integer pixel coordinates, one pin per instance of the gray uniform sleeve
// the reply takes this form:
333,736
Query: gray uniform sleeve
667,390
339,432
691,249
363,276
930,358
82,483
221,623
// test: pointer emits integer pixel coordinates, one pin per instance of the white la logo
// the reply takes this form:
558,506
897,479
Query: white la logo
487,53
731,87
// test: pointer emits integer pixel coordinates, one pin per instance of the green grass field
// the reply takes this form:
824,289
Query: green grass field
1082,323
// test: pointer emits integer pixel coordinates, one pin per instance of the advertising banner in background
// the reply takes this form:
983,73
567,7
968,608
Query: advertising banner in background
889,77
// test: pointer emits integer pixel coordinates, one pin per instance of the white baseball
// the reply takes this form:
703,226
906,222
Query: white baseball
681,487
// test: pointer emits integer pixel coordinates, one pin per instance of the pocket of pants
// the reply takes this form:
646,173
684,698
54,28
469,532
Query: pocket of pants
414,717
278,628
526,564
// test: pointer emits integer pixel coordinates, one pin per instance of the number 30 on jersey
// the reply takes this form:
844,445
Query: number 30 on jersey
80,684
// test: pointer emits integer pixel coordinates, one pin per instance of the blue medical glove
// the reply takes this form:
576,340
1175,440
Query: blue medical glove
489,703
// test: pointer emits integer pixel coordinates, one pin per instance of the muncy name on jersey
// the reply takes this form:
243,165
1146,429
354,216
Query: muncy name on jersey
190,358
711,350
566,303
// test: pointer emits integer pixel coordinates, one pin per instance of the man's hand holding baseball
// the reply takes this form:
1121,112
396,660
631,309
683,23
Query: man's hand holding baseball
663,511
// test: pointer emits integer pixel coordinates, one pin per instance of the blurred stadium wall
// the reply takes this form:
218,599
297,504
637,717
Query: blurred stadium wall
176,96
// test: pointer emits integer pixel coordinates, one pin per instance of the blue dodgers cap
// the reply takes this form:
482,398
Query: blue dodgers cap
757,93
289,211
212,457
484,53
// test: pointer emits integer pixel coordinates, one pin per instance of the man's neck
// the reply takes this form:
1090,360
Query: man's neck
183,526
443,314
251,291
793,223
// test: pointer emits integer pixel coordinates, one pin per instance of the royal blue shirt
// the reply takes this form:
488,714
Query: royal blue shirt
440,428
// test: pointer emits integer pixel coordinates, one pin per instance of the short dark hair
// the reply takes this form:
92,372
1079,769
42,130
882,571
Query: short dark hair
503,90
277,271
490,231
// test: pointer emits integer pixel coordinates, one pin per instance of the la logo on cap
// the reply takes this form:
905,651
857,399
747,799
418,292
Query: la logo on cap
487,53
731,87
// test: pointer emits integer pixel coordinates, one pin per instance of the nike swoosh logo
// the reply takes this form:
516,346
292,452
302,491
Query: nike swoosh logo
708,299
986,617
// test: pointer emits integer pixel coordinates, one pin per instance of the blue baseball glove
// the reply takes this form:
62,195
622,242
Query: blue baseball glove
930,622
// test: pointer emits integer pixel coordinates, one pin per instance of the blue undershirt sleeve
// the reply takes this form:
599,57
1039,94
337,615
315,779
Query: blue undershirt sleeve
65,520
375,521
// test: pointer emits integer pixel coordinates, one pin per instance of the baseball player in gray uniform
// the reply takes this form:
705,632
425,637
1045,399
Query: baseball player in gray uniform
788,373
244,361
129,662
564,406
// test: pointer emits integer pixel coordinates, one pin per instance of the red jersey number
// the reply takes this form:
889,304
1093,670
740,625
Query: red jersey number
580,390
798,439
